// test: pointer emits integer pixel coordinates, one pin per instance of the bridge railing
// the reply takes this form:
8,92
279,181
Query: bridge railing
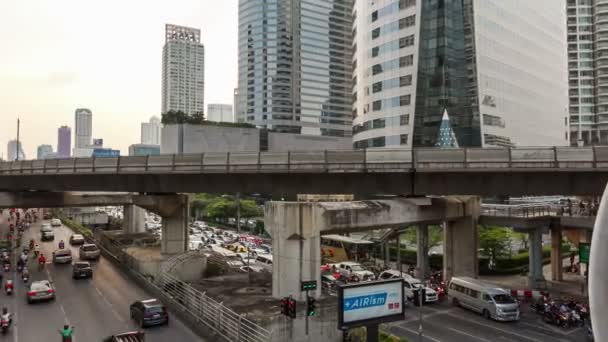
523,210
371,160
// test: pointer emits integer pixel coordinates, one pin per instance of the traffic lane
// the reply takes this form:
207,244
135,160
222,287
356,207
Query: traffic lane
118,292
443,323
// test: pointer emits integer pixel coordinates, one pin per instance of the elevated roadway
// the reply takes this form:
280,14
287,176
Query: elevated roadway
468,171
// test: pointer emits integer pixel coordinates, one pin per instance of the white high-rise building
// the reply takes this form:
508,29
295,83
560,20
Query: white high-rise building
44,151
219,112
11,149
83,128
183,76
588,71
498,67
150,131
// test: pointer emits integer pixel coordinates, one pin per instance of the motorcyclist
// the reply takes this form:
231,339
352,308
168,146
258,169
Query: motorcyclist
32,243
61,244
24,258
41,261
8,286
25,274
6,316
66,333
36,249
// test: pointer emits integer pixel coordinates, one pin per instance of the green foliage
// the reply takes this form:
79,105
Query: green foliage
173,117
435,236
224,207
228,124
360,335
495,242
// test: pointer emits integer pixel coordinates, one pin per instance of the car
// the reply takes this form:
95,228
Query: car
41,290
77,239
348,269
47,234
56,222
45,226
247,259
412,284
62,256
149,312
47,215
89,251
134,336
251,268
82,269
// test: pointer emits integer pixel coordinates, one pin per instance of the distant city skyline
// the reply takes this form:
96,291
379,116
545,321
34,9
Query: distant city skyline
64,58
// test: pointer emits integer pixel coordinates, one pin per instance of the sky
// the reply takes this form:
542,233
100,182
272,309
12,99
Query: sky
105,55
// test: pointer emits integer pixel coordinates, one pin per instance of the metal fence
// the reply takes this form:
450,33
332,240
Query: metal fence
371,160
200,307
522,210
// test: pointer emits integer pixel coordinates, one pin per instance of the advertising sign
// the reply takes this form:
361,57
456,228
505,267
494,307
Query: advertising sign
105,152
370,303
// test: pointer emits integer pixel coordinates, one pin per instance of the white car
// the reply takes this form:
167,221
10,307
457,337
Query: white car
409,285
56,222
247,260
350,268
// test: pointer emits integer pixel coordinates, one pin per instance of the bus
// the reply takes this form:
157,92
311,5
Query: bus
338,248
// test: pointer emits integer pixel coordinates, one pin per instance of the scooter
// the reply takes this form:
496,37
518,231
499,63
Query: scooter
5,324
8,288
7,267
25,276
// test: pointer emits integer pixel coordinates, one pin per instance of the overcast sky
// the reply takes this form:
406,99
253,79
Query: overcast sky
105,55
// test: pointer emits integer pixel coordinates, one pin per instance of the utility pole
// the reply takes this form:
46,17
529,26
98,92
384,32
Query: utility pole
17,147
238,213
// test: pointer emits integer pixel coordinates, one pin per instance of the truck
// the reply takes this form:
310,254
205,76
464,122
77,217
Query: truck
133,336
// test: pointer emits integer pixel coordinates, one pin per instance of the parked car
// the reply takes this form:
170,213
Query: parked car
348,269
149,312
47,234
251,268
264,260
62,256
89,251
77,239
82,269
487,299
40,291
410,285
56,222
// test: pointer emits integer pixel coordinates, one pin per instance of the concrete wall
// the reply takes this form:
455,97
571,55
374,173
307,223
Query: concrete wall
283,142
199,139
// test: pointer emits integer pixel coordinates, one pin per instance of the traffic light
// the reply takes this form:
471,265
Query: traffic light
285,306
311,309
292,308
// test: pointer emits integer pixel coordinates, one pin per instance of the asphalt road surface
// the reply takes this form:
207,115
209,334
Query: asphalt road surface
96,307
445,323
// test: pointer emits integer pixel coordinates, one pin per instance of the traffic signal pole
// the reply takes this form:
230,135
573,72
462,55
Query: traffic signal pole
307,312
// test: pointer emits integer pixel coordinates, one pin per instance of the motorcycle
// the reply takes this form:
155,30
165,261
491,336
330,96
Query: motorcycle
8,288
61,245
5,324
7,267
25,277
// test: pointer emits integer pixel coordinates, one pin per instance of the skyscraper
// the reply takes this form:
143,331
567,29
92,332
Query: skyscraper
150,131
183,75
497,67
11,149
219,112
64,142
43,151
239,116
588,71
83,127
295,66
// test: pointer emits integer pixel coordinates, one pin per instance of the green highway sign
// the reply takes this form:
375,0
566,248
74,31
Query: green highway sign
309,285
583,252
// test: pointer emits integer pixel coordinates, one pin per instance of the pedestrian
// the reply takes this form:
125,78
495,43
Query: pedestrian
581,208
572,256
569,207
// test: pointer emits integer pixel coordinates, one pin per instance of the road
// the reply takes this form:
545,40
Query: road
445,323
96,307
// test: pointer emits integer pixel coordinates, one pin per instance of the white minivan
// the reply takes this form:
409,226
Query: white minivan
487,299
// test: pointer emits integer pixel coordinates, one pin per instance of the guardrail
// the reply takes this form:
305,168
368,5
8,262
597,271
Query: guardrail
523,210
361,161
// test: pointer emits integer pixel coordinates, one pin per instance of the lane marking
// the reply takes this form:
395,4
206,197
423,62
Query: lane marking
114,312
495,328
469,335
549,329
412,331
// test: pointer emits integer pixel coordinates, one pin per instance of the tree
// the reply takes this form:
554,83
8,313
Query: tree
495,242
173,117
435,236
250,209
197,118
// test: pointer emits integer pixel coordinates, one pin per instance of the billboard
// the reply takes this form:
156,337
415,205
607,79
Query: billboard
105,152
370,303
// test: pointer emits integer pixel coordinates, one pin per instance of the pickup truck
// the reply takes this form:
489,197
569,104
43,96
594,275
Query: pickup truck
134,336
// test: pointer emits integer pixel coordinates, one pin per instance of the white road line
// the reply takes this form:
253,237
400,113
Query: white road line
109,304
469,335
548,329
416,333
496,328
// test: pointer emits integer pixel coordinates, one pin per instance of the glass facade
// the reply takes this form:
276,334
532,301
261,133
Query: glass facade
295,66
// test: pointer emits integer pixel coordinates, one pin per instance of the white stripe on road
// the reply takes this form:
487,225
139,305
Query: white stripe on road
548,329
109,304
469,335
496,328
415,333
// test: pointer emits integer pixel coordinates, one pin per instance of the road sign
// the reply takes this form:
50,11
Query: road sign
308,285
583,252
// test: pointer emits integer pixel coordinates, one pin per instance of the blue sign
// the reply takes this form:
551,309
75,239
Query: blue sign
363,302
105,152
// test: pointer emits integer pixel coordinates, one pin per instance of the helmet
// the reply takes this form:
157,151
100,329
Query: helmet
66,327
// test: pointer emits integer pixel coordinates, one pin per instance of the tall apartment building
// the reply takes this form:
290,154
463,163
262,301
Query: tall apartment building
14,151
219,112
64,142
498,68
150,131
43,151
587,22
83,124
295,65
183,75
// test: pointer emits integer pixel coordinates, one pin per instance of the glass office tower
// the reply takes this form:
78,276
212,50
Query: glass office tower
295,65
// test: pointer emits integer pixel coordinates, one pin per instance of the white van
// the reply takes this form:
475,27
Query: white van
489,300
264,260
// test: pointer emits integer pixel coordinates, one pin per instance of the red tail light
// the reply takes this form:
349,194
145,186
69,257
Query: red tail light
31,293
50,291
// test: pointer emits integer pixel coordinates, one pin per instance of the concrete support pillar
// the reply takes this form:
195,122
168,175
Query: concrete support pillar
422,255
387,254
175,231
557,268
460,248
133,219
296,247
535,275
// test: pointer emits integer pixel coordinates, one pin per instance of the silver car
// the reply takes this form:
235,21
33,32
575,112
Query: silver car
89,251
40,291
62,256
